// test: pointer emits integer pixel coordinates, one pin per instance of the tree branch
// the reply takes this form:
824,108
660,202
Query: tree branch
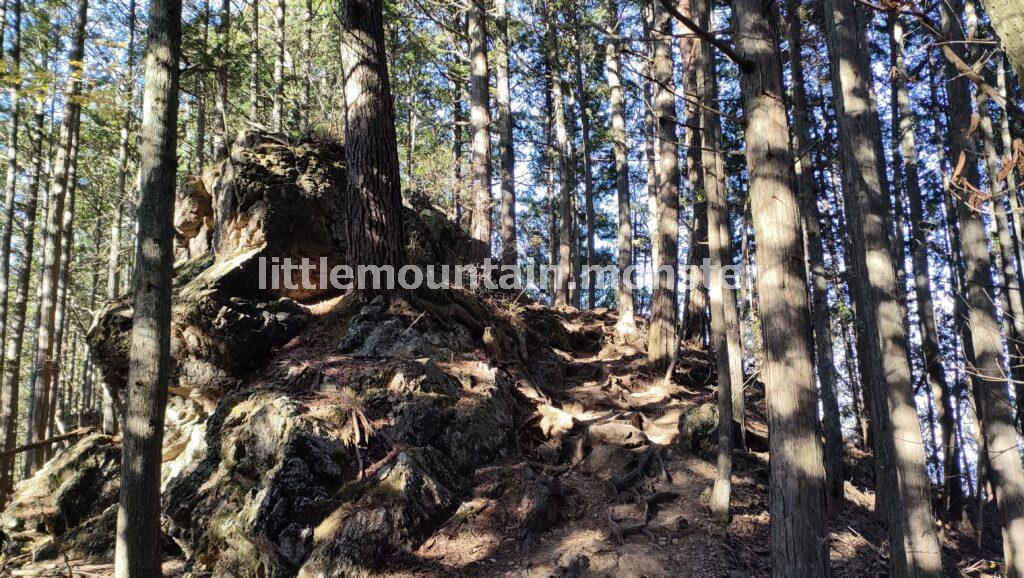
706,36
947,51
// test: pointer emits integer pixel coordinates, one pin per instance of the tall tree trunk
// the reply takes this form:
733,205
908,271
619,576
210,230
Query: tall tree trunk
952,501
811,224
220,140
716,189
995,411
585,146
506,126
139,549
254,65
694,323
626,325
44,349
564,274
28,465
1015,215
109,420
799,538
9,390
56,422
480,122
724,333
277,112
376,232
13,66
996,417
661,341
201,121
1010,292
551,162
307,68
900,462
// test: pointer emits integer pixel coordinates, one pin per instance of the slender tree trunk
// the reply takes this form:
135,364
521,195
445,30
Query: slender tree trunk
564,274
724,337
254,65
480,121
994,411
44,349
661,341
200,83
376,232
1018,223
900,462
56,422
9,390
1010,293
139,549
694,323
799,538
220,138
28,464
307,68
811,224
277,112
551,158
13,66
506,126
626,325
585,146
934,368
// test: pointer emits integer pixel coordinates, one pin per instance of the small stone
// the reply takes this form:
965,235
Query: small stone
617,434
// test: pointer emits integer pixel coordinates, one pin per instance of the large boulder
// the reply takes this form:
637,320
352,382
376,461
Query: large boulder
698,430
280,199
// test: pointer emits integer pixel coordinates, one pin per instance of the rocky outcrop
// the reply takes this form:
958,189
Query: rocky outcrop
305,435
193,220
222,327
69,493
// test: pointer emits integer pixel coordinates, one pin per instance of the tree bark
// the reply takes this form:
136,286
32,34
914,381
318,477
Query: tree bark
661,341
626,324
506,126
799,538
44,349
1007,17
375,226
480,123
139,549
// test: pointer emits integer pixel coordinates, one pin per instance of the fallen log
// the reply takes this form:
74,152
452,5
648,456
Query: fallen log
48,441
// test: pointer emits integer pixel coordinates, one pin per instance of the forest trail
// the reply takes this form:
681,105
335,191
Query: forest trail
450,433
595,480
